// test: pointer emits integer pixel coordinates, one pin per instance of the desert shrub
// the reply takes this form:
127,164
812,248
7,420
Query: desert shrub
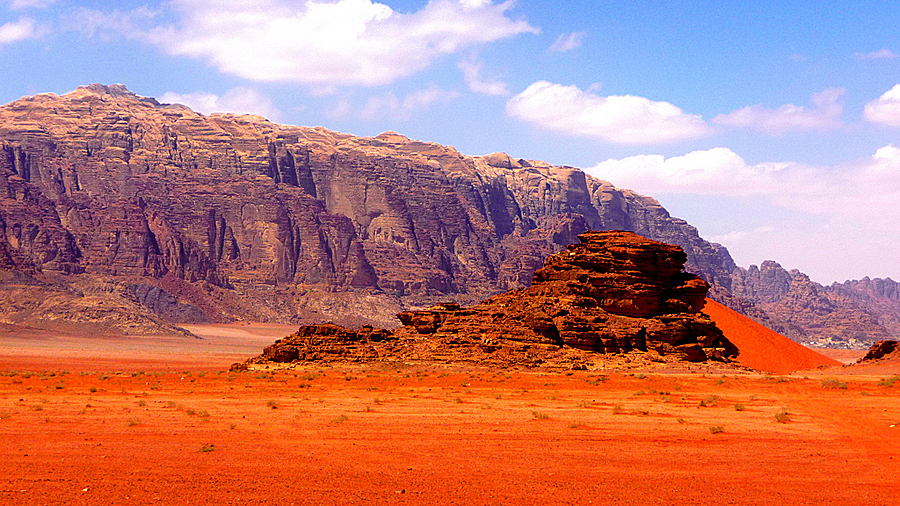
272,404
207,448
618,409
539,416
889,382
715,429
340,419
832,383
133,421
783,416
708,401
585,404
740,407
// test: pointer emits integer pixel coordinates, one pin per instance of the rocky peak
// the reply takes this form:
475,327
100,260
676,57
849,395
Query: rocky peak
614,292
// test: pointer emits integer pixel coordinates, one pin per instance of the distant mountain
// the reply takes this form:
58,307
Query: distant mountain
124,214
788,302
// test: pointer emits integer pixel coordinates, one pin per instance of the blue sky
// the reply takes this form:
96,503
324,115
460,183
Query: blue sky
774,127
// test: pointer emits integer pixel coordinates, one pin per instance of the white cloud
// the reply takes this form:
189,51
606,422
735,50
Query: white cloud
717,171
30,4
811,213
567,42
824,115
318,43
236,100
867,188
881,54
388,105
23,29
618,119
472,75
885,110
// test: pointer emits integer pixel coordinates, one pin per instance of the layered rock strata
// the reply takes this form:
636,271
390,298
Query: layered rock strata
615,292
284,223
850,315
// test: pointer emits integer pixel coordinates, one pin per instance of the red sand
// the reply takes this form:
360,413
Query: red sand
407,434
761,348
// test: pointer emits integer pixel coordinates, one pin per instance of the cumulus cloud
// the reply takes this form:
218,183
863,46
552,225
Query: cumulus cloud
236,100
885,110
802,205
717,171
472,75
825,114
23,29
389,105
567,42
319,43
617,119
869,187
881,54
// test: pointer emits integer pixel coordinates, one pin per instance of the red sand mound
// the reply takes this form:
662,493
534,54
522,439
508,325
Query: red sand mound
762,348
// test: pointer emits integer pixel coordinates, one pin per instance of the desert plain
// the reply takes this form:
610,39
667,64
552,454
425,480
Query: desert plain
163,421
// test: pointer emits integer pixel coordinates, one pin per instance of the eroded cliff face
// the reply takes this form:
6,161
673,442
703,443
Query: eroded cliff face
851,315
281,223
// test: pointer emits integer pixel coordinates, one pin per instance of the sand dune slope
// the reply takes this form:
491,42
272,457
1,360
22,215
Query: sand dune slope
762,348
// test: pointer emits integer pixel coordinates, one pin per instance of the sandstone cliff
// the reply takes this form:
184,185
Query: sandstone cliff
791,304
173,216
615,292
250,219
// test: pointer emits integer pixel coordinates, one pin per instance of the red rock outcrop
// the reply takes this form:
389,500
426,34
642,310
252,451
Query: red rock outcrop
614,292
882,349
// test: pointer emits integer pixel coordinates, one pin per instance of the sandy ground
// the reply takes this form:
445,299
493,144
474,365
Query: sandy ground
219,347
171,426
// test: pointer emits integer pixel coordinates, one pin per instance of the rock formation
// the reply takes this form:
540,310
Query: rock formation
281,223
792,304
227,217
614,292
881,349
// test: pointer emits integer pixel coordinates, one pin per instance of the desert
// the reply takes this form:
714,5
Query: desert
430,252
326,416
158,430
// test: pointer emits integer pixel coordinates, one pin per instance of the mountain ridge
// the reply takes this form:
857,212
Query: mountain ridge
242,218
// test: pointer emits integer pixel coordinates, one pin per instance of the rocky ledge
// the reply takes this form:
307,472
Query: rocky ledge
887,348
614,293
